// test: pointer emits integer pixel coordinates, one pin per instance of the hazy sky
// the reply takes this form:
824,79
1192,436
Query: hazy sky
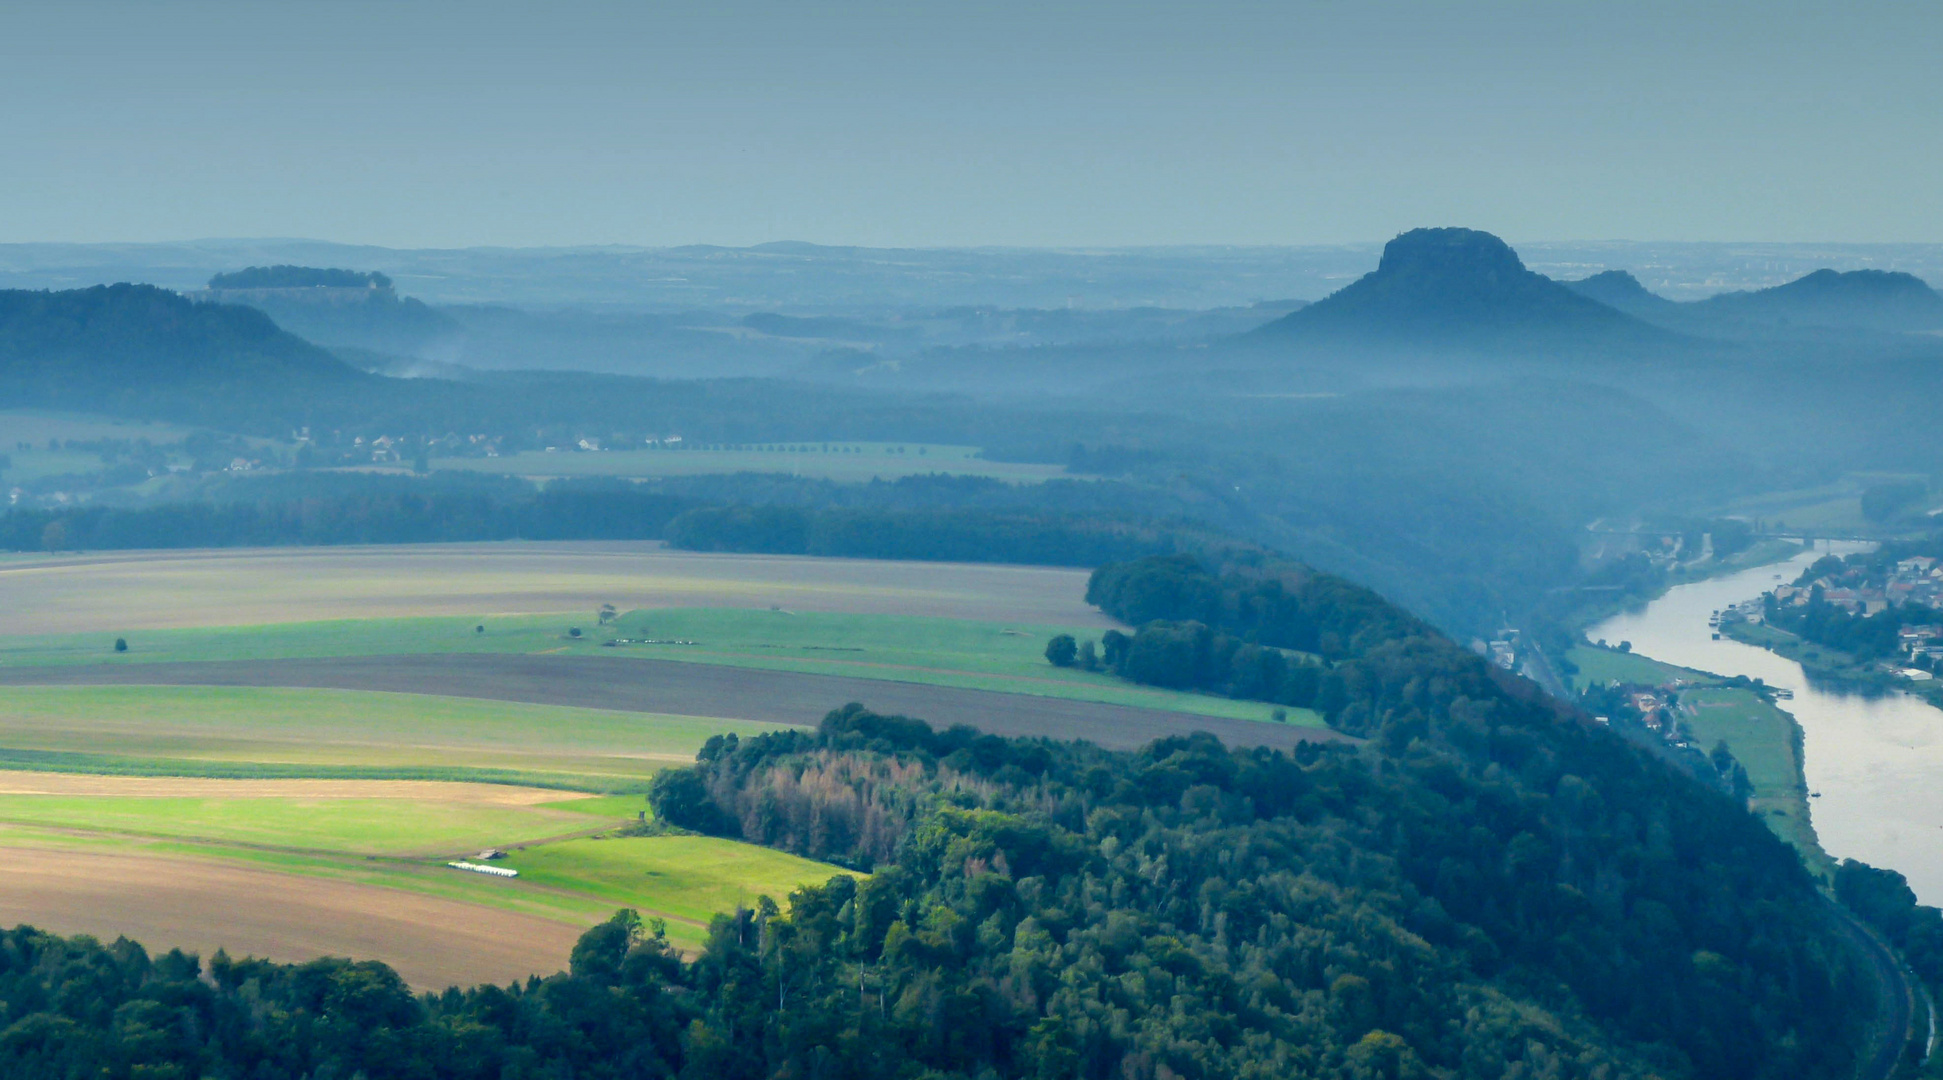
1104,122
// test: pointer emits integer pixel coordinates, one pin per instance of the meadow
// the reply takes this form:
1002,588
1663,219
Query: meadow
842,461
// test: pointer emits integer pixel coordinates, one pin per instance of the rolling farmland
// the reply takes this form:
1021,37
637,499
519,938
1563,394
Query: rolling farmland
123,591
311,734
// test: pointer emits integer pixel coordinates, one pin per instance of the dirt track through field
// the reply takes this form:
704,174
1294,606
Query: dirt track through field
671,686
198,906
119,591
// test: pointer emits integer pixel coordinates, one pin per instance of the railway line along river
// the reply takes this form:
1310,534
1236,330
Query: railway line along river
1876,762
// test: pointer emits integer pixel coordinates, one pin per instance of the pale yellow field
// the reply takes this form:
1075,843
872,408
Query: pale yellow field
154,728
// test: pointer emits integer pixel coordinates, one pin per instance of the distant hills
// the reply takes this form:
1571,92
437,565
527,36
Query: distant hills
1460,289
137,349
298,277
1622,291
1873,300
340,308
1867,299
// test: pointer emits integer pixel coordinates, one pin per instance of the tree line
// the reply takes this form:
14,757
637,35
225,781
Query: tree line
1047,537
1250,626
371,512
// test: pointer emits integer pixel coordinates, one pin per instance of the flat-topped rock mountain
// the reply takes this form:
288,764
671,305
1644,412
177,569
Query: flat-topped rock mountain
1460,288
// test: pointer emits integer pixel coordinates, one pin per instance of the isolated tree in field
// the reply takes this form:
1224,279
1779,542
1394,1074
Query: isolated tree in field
1062,650
607,614
121,644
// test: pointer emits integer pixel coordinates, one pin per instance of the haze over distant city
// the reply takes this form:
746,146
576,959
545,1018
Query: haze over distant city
1067,124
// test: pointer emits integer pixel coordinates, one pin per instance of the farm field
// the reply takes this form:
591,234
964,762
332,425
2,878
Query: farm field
165,902
308,864
337,817
310,734
690,877
966,654
1834,507
238,731
124,591
685,689
37,426
842,461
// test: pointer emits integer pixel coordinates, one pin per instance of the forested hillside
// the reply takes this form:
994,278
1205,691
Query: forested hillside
136,350
1490,888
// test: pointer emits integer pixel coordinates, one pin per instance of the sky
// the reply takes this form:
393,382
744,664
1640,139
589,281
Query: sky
1059,123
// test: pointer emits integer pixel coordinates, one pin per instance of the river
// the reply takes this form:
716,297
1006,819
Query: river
1876,761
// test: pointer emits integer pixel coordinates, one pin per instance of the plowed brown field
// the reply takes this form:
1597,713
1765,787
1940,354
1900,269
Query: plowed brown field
200,906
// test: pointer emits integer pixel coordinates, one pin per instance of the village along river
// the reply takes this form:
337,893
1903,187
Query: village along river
1877,762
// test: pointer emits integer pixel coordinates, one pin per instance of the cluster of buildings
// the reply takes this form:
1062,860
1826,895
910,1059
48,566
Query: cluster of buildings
1916,580
1659,710
1921,642
1504,653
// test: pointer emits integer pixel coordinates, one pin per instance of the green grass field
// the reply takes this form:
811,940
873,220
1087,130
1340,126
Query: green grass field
373,826
976,655
844,461
689,877
338,732
1601,666
404,843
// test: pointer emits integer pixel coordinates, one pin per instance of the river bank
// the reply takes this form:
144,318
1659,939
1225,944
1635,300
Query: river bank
1873,759
1764,739
1832,667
